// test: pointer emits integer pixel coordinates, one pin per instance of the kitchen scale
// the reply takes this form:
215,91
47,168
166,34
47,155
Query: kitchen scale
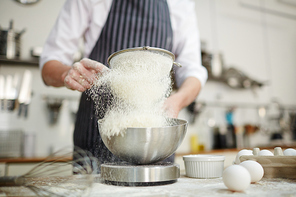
126,174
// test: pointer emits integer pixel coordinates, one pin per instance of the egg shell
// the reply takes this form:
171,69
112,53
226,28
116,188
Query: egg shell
236,178
290,152
255,169
242,152
265,153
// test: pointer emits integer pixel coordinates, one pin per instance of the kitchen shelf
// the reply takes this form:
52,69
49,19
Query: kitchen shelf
243,105
18,62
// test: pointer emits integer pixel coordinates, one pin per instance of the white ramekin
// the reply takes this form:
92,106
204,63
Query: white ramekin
204,166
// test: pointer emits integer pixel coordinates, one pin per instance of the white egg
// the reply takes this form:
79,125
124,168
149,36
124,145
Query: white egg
290,152
255,169
236,178
242,152
265,153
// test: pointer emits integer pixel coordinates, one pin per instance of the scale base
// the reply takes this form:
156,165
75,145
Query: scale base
139,184
125,174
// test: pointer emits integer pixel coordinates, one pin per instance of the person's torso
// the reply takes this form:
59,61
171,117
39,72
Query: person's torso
134,23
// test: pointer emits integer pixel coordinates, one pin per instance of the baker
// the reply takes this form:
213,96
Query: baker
108,26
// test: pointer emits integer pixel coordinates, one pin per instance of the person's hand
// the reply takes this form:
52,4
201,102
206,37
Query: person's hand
83,74
172,106
185,95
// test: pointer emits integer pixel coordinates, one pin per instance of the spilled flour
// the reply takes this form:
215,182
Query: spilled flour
133,92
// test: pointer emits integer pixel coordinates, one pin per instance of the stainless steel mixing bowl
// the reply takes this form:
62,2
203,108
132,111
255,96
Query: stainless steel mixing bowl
147,145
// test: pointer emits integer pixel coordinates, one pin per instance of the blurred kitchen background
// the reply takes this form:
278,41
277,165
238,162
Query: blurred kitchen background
249,100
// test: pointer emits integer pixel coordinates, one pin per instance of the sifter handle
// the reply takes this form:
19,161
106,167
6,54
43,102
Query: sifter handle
177,64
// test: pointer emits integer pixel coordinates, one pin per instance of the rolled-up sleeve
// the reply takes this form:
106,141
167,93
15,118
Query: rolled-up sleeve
63,40
186,45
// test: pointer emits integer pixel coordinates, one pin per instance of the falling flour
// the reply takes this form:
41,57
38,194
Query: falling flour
133,92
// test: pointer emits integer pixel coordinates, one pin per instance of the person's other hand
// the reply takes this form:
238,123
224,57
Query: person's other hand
171,106
83,74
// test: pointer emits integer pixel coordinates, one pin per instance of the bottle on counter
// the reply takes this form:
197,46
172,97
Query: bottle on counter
230,135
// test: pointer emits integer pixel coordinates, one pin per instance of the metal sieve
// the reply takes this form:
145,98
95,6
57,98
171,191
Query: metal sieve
146,48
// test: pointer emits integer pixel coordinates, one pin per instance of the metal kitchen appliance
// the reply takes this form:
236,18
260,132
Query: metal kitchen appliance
27,2
10,42
143,150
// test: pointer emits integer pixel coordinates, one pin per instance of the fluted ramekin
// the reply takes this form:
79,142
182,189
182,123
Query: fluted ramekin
204,166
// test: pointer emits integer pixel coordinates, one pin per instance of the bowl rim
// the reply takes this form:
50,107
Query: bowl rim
183,122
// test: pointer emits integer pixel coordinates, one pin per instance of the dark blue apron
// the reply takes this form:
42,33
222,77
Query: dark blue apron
130,23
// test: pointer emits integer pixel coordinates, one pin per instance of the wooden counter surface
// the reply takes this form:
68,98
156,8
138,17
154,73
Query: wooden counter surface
30,160
40,159
236,150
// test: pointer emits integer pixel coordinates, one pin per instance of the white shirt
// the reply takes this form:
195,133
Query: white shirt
86,18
